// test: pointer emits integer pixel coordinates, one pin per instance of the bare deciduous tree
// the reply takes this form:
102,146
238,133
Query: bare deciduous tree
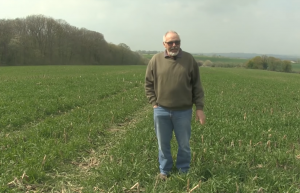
39,40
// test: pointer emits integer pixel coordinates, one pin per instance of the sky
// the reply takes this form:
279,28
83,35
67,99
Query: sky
204,26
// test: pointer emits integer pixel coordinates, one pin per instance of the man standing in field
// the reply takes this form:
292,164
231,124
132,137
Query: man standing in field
172,86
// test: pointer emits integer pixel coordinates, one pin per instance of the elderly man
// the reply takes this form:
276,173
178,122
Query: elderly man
172,86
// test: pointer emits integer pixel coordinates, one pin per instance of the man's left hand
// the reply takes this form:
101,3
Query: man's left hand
200,116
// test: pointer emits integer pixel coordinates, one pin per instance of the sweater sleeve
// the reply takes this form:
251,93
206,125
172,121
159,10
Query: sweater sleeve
149,83
198,92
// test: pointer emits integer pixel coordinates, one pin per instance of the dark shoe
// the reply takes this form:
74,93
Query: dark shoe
183,173
162,177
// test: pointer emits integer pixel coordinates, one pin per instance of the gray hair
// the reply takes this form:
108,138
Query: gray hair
164,36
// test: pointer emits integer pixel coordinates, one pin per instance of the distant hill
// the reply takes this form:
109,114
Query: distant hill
250,55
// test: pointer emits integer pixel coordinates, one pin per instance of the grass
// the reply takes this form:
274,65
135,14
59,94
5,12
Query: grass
69,108
90,129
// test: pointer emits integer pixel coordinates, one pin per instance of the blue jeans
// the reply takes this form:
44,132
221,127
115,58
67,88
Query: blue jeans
165,122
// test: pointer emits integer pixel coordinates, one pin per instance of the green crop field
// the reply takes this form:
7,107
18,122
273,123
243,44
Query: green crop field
90,129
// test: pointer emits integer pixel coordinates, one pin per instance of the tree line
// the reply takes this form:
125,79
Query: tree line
41,40
269,63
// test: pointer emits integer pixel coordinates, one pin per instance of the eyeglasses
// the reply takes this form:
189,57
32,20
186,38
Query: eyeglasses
173,42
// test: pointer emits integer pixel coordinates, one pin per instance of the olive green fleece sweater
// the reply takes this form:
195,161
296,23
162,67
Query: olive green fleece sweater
174,84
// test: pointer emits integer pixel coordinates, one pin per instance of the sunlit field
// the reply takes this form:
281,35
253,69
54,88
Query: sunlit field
224,60
296,67
221,59
90,129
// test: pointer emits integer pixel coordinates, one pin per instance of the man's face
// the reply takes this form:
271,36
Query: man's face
172,44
